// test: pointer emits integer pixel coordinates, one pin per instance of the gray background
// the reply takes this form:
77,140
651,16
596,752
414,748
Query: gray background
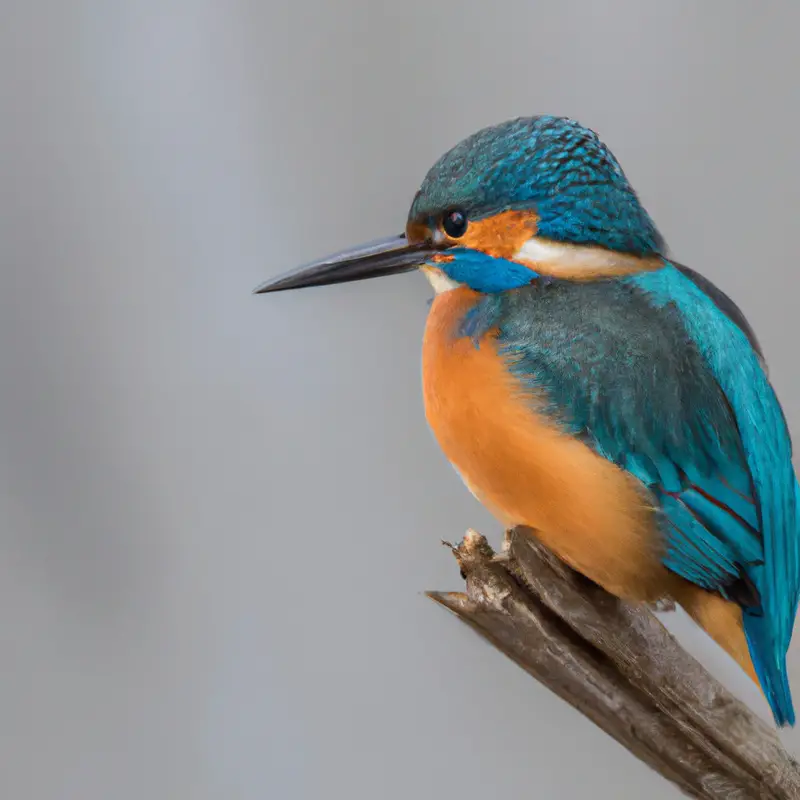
218,512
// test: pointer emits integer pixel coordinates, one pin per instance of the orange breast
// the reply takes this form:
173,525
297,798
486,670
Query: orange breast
525,470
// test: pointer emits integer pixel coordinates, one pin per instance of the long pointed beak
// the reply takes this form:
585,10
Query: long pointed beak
382,257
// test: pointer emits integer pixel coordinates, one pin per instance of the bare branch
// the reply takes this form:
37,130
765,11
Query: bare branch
618,665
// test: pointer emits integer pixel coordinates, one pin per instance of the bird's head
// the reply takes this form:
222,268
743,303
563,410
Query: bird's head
535,197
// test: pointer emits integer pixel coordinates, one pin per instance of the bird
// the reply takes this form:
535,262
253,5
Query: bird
586,385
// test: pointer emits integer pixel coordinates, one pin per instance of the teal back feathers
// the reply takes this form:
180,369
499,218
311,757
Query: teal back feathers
767,450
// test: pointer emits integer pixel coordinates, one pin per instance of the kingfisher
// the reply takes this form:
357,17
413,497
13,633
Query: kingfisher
586,385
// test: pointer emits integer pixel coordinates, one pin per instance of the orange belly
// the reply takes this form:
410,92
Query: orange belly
592,514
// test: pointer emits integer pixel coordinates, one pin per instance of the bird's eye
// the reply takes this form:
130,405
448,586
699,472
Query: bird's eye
455,223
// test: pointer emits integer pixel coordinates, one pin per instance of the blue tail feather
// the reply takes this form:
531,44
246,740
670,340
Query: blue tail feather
769,660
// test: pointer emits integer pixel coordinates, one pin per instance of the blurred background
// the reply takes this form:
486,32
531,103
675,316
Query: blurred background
218,512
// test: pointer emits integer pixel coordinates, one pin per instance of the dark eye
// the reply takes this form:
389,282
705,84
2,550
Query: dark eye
455,223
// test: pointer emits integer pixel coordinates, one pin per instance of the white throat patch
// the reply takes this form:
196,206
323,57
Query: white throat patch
439,280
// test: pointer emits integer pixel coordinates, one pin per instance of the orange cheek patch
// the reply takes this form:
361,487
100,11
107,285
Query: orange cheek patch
502,235
442,258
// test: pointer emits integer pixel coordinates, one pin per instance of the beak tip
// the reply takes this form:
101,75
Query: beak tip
388,256
266,288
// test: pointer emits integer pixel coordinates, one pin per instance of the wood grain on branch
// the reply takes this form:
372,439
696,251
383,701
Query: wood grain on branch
617,664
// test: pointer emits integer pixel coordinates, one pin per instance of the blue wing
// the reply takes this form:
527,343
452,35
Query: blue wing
765,463
661,374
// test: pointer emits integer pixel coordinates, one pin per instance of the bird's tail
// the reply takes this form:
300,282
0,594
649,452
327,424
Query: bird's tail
749,639
769,660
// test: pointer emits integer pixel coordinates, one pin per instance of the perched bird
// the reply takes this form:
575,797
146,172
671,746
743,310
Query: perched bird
583,383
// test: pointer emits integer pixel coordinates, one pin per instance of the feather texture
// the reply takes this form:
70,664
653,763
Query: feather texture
654,375
551,164
738,368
